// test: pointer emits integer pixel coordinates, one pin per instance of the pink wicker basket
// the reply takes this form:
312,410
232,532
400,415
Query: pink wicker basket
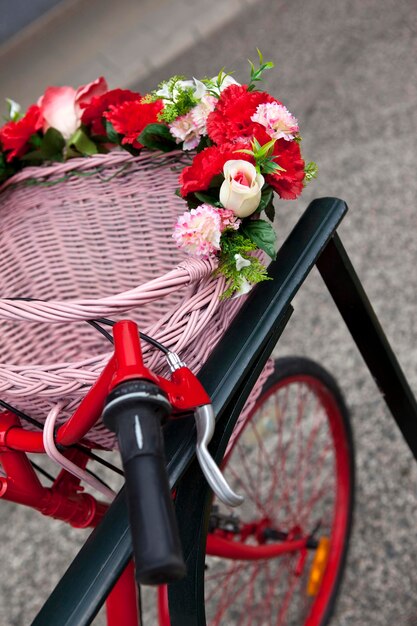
92,238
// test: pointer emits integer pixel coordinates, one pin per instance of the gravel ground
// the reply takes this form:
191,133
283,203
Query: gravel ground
347,70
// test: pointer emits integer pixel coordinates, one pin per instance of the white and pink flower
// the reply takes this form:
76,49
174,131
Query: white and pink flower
61,106
201,112
189,128
242,187
184,129
277,120
198,231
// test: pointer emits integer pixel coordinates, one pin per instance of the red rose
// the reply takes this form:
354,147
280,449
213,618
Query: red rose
130,118
288,184
94,110
207,164
14,136
231,119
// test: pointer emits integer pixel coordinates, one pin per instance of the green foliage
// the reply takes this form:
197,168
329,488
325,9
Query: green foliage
234,242
178,100
214,86
209,195
256,73
262,235
157,137
82,143
50,147
311,171
266,203
6,169
205,142
112,135
264,157
212,199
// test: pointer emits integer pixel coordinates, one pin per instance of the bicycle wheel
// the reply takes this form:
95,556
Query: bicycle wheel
279,558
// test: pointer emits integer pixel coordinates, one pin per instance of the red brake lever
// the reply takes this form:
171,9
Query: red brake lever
184,390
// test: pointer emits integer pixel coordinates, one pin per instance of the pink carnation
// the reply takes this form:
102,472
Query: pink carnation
185,129
198,231
201,112
228,219
277,120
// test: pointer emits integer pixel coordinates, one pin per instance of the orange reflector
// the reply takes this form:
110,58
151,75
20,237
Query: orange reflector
318,566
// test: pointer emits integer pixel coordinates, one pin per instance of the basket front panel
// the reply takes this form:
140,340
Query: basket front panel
84,236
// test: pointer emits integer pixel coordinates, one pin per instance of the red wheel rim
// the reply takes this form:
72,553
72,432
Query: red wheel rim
271,591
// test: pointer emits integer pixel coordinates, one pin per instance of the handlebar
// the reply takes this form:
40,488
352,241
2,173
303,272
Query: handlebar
135,410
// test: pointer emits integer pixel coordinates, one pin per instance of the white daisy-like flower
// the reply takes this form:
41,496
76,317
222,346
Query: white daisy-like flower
241,262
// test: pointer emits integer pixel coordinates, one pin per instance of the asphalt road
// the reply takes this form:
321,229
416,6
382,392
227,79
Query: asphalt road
347,70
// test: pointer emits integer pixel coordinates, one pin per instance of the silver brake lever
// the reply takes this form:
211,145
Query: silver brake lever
205,421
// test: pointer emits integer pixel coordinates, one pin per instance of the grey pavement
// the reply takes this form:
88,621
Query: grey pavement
347,70
125,41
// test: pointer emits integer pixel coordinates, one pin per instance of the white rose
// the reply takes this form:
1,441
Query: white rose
241,189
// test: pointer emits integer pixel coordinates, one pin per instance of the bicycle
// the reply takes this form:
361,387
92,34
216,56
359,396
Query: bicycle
258,534
228,376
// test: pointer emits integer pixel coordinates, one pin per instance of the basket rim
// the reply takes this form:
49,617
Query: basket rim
187,272
114,158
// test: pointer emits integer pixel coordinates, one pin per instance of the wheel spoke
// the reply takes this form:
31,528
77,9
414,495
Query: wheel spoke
283,458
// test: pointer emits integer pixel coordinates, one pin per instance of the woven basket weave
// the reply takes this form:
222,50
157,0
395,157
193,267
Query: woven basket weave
93,238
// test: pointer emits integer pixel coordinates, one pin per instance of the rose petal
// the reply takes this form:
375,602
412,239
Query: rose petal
86,93
57,108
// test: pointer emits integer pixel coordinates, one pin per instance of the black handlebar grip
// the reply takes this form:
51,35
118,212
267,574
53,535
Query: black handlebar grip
135,411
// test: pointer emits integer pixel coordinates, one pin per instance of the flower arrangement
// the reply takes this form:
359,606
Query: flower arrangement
240,147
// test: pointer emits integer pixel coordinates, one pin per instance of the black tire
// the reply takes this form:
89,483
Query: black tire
194,509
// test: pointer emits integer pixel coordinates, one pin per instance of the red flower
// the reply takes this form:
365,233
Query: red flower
94,110
288,184
231,119
130,118
207,164
14,136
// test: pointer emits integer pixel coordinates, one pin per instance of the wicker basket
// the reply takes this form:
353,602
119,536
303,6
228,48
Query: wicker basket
92,238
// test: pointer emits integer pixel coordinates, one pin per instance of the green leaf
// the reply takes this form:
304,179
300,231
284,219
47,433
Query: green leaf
205,142
52,145
270,167
216,181
112,135
6,169
157,137
311,171
270,211
35,156
250,152
208,199
82,143
266,149
262,234
35,140
266,198
256,74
